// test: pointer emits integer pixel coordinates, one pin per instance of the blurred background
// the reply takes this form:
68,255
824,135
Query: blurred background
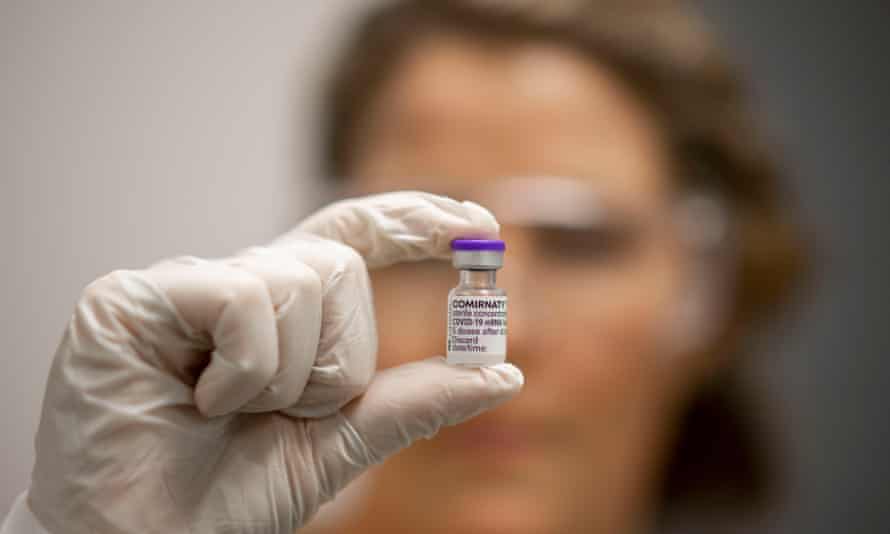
134,131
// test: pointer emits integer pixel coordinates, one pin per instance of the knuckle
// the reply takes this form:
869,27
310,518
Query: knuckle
305,283
102,287
356,371
347,368
355,377
260,368
354,260
244,290
349,260
360,380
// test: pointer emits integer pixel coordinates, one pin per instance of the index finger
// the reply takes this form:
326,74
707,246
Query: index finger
401,226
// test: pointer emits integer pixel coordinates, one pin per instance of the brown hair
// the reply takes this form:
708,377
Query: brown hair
665,54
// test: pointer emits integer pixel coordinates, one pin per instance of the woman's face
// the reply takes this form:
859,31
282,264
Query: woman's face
589,298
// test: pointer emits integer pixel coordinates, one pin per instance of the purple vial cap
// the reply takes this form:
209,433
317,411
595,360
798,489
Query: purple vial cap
495,245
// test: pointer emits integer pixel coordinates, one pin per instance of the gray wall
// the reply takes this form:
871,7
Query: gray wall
820,70
131,131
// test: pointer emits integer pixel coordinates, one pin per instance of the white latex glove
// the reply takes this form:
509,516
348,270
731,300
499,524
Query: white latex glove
220,396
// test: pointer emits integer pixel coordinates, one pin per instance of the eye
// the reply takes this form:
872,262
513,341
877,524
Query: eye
600,244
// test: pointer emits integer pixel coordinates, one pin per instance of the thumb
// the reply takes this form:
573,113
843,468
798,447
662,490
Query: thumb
414,401
402,405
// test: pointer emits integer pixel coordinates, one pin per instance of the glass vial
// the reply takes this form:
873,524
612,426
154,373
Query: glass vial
477,309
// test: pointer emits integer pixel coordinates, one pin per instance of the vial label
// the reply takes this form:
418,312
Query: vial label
477,330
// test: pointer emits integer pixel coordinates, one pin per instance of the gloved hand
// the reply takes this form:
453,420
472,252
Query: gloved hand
226,395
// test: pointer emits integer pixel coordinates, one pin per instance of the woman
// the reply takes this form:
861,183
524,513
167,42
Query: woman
646,240
626,320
